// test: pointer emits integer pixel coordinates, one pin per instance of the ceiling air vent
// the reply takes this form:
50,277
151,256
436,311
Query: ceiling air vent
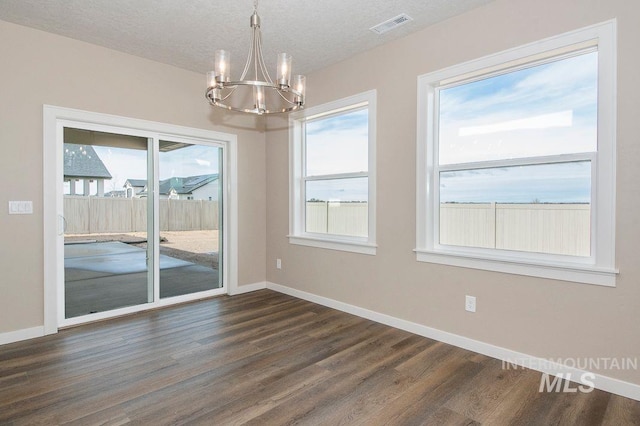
391,24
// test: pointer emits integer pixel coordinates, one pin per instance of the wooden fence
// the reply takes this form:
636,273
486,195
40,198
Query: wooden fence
337,218
94,215
540,228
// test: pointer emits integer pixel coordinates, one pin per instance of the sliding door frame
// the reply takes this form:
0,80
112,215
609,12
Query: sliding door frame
55,119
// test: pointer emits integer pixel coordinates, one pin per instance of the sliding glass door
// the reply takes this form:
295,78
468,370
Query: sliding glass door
142,222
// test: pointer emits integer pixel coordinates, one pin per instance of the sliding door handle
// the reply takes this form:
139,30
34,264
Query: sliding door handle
62,225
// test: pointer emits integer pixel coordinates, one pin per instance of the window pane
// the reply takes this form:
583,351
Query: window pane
338,144
537,208
106,226
337,206
547,109
190,202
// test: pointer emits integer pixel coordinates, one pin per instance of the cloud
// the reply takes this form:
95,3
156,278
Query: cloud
545,121
551,183
351,189
549,109
338,144
557,86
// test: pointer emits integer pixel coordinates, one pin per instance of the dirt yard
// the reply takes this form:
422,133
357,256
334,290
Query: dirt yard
200,247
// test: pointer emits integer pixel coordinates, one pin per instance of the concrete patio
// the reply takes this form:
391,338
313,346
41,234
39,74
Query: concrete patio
101,276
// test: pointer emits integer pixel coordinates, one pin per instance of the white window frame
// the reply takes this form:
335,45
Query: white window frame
599,268
297,178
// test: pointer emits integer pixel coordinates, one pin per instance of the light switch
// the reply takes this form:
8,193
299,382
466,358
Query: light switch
20,207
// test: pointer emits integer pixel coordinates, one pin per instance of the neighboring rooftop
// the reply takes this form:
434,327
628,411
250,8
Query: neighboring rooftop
118,193
186,185
141,183
181,185
82,161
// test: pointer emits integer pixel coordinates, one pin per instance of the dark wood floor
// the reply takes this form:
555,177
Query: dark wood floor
268,359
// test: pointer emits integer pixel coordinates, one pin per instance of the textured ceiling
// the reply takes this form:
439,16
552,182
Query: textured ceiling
185,33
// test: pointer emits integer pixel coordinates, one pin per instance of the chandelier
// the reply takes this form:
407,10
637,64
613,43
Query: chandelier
255,92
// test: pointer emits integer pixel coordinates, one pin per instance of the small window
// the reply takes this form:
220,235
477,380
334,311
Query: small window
333,175
516,160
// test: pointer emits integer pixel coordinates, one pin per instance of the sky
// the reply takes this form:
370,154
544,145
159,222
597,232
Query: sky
550,109
544,183
544,110
338,145
126,164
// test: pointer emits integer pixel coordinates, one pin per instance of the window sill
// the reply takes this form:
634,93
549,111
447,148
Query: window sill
334,244
575,273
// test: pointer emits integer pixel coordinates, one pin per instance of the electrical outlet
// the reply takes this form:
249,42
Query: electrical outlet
279,263
470,303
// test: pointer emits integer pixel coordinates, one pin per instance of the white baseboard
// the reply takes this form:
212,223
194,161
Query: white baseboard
30,333
241,289
19,335
605,383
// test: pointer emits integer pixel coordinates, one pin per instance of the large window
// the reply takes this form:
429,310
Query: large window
333,175
516,168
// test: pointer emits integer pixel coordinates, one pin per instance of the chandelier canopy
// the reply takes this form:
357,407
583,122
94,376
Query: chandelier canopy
255,92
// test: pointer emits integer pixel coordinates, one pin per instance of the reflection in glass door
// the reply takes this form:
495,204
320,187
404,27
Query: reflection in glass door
107,261
190,206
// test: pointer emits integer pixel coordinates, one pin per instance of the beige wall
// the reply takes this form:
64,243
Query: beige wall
39,68
540,317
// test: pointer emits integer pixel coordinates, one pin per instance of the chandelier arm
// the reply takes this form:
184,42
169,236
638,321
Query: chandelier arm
249,58
263,66
280,93
246,65
231,90
230,87
257,52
